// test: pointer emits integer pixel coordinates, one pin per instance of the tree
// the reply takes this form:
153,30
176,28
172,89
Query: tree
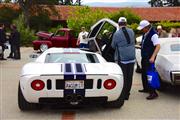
84,16
33,7
156,3
7,14
161,3
70,2
78,2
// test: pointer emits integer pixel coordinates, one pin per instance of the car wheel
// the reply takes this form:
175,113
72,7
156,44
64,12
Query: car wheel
116,104
43,47
23,104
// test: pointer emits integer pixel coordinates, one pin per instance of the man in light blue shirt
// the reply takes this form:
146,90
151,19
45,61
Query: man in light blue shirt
124,44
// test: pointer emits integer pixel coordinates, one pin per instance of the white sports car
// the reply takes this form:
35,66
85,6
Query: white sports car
168,60
70,76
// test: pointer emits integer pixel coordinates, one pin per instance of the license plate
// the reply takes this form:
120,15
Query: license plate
78,84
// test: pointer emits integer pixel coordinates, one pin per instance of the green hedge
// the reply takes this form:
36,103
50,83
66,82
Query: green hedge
167,25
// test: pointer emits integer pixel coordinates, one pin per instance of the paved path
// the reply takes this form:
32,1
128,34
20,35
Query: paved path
167,106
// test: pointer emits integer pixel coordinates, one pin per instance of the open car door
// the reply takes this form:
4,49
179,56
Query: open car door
97,43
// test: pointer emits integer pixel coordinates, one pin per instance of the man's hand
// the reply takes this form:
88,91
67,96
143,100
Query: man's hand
78,42
152,59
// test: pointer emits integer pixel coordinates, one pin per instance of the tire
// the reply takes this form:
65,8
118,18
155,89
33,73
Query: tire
43,47
23,104
116,104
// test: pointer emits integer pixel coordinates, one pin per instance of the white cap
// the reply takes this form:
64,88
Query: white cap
143,24
122,19
159,27
105,31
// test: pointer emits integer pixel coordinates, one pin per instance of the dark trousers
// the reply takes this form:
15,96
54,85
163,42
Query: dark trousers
127,70
15,52
145,65
3,49
83,45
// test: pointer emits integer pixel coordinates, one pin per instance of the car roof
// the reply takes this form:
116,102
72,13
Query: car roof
65,50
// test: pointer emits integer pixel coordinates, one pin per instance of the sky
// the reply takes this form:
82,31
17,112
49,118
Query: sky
90,1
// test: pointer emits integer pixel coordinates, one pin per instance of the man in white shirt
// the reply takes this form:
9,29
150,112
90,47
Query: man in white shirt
149,49
82,41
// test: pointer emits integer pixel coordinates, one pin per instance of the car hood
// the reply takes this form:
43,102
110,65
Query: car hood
44,34
174,59
60,69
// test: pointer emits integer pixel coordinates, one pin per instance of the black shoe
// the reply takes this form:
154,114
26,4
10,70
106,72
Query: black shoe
138,70
126,98
9,57
3,59
152,96
144,91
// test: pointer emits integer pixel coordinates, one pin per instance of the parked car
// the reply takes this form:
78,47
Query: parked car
62,38
167,61
70,76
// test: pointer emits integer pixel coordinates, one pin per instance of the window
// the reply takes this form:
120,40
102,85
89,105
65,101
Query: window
60,33
175,47
71,58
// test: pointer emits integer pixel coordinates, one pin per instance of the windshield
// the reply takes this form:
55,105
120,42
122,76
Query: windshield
71,58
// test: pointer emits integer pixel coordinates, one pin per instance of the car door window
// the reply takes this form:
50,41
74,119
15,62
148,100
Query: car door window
60,33
104,39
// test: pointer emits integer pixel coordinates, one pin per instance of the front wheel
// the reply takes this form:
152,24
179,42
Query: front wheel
43,47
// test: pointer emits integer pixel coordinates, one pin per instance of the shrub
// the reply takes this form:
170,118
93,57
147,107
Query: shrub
84,16
167,25
26,34
130,16
53,30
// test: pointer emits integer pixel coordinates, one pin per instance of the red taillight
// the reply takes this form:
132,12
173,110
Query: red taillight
109,84
37,85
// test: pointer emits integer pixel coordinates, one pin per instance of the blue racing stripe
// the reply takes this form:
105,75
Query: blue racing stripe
68,75
80,75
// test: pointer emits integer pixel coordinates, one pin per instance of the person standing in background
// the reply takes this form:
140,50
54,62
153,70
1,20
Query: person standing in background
173,33
15,43
124,44
150,47
82,41
161,33
2,40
